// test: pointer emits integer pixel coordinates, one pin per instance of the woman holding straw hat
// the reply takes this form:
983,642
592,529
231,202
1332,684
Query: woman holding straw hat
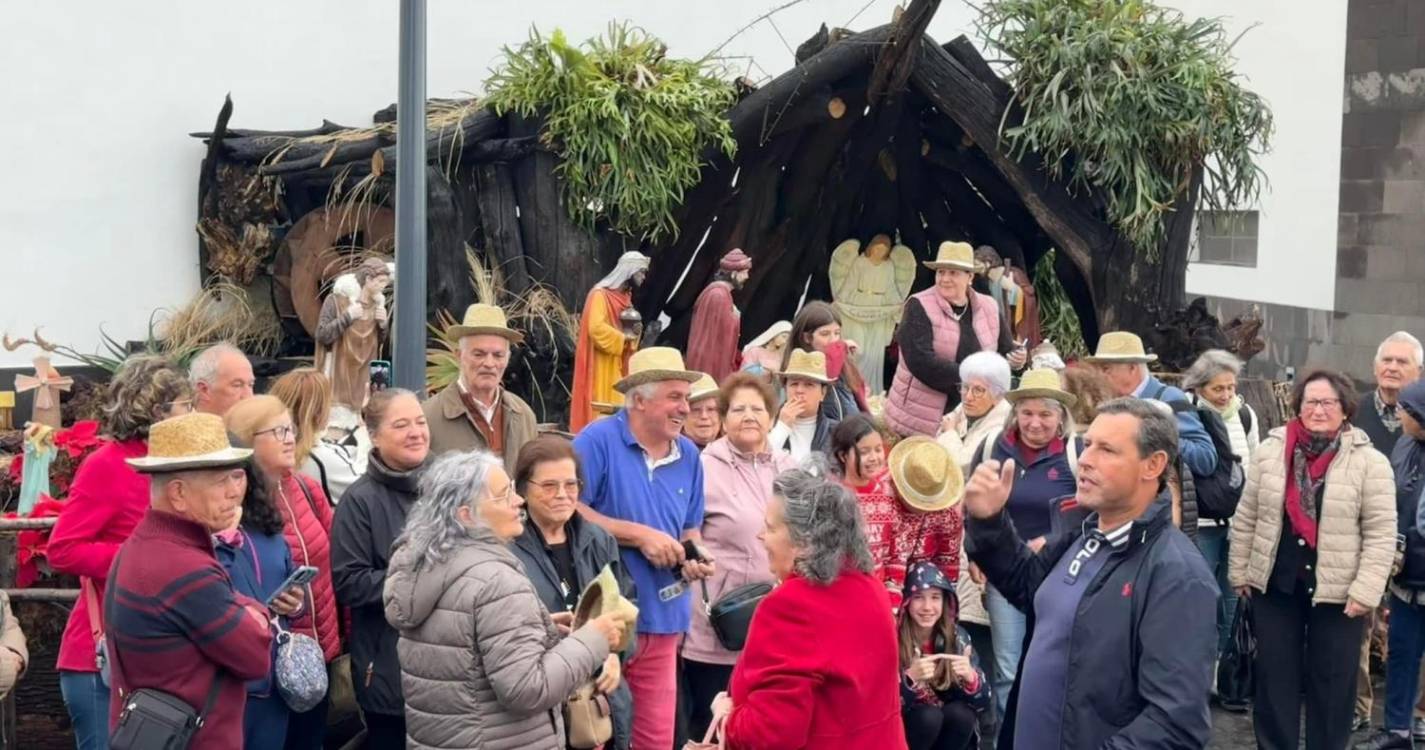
929,526
1040,437
803,426
940,328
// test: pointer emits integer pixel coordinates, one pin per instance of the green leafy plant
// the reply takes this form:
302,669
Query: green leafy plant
629,123
1057,320
1129,99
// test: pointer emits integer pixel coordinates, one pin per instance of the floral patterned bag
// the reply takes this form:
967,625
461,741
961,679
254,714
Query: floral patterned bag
300,670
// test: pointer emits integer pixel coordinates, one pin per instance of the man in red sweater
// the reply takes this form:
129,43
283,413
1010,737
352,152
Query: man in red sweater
175,624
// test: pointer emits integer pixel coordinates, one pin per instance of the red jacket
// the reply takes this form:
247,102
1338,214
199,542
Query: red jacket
307,526
819,671
105,503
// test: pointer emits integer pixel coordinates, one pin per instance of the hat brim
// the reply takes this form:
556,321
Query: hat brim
457,333
217,460
653,376
1023,394
948,498
936,265
701,395
805,376
602,596
1127,359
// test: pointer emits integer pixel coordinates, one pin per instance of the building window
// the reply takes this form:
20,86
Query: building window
1225,238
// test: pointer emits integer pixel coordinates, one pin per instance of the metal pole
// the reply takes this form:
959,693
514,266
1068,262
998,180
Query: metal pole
409,356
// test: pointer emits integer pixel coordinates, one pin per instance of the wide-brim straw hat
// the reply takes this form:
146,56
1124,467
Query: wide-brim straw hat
602,596
703,387
654,364
957,255
1042,383
485,320
805,364
1120,346
189,442
925,474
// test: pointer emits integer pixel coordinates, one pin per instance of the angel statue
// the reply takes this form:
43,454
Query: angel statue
869,292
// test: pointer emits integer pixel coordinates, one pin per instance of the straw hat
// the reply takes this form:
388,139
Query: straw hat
703,387
1042,383
603,596
1120,346
957,255
654,364
485,320
926,476
809,365
191,441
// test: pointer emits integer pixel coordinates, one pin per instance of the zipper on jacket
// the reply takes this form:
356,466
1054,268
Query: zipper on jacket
370,670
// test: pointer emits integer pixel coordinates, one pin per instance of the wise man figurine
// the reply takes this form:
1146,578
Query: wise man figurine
605,343
717,323
350,329
869,290
46,383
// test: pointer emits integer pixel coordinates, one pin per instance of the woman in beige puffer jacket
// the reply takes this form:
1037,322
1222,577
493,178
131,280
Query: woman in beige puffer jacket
1313,551
482,664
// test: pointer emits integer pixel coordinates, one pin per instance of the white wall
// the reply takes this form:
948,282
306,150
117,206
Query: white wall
1296,59
98,199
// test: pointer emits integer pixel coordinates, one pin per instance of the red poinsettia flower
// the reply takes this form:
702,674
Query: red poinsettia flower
79,439
32,543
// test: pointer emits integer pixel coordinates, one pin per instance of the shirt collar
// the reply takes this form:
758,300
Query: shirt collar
1118,536
488,409
1142,386
675,453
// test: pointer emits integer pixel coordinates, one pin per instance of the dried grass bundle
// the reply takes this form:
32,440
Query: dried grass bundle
220,312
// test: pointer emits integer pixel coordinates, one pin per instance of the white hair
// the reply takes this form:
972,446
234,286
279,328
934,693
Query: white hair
1401,337
644,391
988,367
1209,365
204,367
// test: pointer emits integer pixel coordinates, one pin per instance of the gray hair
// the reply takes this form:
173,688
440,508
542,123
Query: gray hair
988,367
204,367
1209,365
824,523
1401,337
456,480
1157,429
1066,417
644,391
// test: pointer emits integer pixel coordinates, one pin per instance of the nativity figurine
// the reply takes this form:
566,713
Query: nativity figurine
604,345
353,322
869,290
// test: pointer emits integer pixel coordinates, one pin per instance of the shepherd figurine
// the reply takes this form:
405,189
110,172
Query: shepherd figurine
717,324
349,332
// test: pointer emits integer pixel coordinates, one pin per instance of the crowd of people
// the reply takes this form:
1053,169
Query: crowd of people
1017,553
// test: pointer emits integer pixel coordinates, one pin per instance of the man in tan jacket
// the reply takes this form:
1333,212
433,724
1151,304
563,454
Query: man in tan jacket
476,411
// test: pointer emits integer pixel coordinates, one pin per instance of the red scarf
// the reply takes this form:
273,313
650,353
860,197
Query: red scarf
1303,522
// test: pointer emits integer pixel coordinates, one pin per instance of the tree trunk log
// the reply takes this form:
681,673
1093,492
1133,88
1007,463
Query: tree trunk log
495,191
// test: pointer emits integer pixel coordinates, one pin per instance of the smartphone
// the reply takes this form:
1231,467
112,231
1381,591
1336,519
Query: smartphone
302,576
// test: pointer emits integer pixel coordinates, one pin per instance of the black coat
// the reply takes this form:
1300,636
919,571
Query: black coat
370,516
1144,635
593,548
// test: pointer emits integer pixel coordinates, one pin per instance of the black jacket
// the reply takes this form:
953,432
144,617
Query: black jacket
1144,635
370,516
593,548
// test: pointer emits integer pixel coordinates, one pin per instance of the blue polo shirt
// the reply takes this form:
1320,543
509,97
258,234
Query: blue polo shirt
669,497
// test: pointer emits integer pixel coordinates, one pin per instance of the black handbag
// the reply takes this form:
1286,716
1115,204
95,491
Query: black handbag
731,614
1234,671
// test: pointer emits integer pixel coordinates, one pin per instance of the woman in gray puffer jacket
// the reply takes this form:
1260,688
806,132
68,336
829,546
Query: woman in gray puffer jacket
482,664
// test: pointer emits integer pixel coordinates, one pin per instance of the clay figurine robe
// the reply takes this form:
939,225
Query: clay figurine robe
869,290
349,332
717,323
603,348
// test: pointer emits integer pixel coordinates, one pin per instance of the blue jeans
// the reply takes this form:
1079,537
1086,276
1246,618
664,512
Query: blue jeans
1007,632
1212,541
88,702
1402,663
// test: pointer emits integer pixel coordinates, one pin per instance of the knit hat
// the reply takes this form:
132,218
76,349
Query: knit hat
735,260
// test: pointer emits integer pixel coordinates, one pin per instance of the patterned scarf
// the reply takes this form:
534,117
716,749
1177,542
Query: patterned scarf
1389,413
1308,456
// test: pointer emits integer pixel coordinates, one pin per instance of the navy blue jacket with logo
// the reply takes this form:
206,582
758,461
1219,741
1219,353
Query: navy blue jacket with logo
1144,635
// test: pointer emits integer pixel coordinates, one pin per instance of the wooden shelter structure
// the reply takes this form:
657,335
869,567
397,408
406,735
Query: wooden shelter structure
881,131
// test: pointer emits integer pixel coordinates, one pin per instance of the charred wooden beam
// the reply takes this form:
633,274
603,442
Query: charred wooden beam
898,57
326,128
476,127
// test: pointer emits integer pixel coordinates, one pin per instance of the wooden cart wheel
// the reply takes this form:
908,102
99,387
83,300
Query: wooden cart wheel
321,246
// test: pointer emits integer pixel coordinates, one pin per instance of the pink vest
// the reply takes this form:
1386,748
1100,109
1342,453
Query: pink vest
914,408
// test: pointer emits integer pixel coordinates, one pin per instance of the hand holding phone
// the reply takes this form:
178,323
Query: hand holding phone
302,576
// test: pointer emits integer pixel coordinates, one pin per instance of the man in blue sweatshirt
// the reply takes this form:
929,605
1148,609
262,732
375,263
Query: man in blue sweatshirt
1123,632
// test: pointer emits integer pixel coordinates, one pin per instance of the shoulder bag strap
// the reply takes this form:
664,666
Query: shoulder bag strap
91,604
307,493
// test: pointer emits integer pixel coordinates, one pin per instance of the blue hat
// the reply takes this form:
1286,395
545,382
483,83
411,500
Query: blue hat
1412,399
926,575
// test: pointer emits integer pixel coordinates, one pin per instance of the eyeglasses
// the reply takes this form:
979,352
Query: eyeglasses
570,487
181,406
506,498
1324,404
282,433
978,391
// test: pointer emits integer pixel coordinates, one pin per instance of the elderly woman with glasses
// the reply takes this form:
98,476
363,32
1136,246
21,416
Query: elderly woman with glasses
482,662
820,665
982,411
1312,545
561,553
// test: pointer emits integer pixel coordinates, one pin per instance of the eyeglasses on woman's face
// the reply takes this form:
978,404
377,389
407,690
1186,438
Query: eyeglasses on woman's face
552,487
281,433
1320,404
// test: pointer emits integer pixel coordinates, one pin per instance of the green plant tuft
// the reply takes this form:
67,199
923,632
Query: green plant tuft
1057,320
629,123
1128,99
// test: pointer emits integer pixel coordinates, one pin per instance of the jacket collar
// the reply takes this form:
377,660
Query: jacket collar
532,539
722,450
453,407
1158,516
176,528
405,482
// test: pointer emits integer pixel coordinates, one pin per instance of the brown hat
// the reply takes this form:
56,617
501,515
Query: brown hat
735,260
654,364
926,475
188,442
485,320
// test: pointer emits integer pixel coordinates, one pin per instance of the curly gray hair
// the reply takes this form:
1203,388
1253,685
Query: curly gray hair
824,523
454,481
1209,365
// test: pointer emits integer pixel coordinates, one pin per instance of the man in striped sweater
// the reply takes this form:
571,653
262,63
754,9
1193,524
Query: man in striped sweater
174,622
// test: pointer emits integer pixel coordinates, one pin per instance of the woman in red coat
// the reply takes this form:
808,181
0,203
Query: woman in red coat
820,669
264,424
